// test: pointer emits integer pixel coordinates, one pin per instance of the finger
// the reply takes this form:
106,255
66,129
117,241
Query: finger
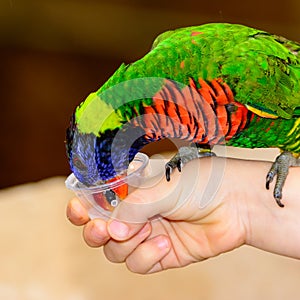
95,233
117,251
121,231
76,212
146,258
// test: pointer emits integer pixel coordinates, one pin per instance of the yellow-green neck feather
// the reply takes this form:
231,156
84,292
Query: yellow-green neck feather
96,116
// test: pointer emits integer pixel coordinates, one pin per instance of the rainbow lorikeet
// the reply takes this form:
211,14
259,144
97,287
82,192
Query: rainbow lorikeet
210,84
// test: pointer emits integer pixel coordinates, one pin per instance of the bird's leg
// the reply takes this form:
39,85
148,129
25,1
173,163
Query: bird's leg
184,155
280,168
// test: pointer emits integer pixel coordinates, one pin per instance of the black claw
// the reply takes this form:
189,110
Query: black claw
179,165
168,172
279,202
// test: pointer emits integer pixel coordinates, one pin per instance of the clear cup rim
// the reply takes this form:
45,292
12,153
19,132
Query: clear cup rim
72,183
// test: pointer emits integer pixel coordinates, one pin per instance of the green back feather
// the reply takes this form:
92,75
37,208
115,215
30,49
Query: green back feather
262,69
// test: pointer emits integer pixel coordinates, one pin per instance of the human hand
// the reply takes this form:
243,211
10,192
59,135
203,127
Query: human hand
240,212
188,235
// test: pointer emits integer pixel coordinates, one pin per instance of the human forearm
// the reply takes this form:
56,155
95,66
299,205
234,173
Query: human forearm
269,227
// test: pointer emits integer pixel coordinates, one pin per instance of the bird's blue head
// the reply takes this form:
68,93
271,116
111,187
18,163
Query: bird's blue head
97,159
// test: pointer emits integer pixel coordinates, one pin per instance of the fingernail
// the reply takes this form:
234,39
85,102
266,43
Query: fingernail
96,232
76,208
76,213
163,243
119,229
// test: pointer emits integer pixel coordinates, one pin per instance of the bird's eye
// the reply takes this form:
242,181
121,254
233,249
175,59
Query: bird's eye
78,163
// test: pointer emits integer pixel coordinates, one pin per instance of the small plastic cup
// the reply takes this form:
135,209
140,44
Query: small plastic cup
101,200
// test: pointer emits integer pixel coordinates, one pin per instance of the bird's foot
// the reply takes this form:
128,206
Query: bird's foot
184,155
280,169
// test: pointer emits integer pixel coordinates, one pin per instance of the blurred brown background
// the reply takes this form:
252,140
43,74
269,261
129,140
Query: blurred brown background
55,52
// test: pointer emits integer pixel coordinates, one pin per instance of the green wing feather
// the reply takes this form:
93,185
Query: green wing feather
267,71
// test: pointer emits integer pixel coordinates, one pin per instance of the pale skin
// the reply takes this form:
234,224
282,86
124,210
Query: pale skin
242,212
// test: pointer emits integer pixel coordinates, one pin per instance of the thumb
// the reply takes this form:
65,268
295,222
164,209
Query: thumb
148,202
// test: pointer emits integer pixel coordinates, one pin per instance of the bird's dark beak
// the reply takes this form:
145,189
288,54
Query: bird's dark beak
109,199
